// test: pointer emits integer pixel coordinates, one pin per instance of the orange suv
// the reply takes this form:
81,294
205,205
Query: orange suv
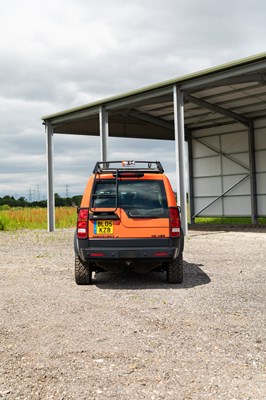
128,220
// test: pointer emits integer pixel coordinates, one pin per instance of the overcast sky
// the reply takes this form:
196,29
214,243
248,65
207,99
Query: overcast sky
57,54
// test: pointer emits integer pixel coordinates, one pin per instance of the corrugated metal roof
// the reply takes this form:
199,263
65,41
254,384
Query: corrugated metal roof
213,97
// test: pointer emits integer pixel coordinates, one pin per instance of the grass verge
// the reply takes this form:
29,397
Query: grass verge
36,218
228,221
65,217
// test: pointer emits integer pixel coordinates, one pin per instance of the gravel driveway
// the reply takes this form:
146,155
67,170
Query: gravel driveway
133,336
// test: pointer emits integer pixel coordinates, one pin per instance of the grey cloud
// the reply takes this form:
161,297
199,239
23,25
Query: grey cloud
56,55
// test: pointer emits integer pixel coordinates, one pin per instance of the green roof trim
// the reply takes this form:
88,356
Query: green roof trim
156,86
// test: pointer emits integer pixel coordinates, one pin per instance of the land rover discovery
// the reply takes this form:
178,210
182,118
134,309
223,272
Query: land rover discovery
128,220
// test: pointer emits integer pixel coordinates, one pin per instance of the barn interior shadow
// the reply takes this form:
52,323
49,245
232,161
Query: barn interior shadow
193,276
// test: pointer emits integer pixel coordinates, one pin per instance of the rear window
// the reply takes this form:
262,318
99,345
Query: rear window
139,198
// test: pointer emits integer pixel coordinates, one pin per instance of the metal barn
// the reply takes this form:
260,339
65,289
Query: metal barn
220,112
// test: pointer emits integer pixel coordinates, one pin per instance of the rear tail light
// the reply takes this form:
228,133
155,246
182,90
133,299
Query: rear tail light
161,254
82,224
174,222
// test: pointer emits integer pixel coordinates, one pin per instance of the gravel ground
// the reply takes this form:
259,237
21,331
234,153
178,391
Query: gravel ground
133,336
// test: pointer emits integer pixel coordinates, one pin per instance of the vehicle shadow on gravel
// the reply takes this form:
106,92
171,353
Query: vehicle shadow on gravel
193,276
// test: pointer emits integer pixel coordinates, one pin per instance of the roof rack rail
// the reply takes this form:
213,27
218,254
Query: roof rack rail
105,167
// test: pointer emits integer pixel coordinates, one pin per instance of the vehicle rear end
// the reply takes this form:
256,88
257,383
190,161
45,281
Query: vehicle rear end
128,219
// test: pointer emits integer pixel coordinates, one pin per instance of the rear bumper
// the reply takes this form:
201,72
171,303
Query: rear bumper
125,249
99,253
117,255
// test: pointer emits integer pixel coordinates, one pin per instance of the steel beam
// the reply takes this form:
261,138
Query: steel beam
74,115
151,119
136,99
179,126
252,168
222,154
50,178
198,83
103,122
257,78
221,195
234,185
218,109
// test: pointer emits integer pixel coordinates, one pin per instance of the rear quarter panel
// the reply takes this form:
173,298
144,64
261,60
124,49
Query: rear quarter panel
85,202
169,192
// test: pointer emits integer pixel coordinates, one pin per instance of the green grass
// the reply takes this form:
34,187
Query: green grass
65,217
227,221
35,218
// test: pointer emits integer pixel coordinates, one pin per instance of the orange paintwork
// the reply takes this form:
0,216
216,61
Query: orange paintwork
87,193
135,227
127,227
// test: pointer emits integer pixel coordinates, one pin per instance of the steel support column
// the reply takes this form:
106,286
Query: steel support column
252,168
103,121
191,180
180,153
50,178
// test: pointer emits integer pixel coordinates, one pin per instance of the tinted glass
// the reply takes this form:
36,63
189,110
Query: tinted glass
139,198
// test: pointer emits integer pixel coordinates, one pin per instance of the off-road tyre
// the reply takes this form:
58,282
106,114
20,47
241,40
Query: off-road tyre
175,270
83,274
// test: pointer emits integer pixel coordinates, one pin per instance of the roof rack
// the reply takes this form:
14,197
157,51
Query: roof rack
107,167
